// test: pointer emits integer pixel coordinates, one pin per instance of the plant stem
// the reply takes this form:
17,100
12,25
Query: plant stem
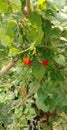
27,96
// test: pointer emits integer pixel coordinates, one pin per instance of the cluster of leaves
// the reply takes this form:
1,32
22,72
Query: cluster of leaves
42,37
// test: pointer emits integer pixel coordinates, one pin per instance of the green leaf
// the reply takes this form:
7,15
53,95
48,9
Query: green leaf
13,52
3,6
16,4
39,36
55,32
38,70
41,105
42,4
60,59
41,1
9,31
5,40
36,36
56,75
20,39
2,32
33,34
42,93
64,102
35,19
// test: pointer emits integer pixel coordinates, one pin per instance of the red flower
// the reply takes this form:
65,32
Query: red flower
27,61
45,62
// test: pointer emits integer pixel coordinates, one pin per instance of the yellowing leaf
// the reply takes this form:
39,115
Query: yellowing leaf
42,4
41,1
13,51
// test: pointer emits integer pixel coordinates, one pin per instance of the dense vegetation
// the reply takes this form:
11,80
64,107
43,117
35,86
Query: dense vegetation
33,64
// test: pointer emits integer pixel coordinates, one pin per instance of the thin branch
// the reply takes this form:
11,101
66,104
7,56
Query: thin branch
27,9
27,96
11,64
28,5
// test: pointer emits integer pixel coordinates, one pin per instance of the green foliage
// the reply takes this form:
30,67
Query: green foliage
2,5
38,70
43,36
35,19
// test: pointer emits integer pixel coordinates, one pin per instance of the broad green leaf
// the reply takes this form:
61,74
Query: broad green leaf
38,70
13,52
41,105
3,6
33,34
56,75
64,102
55,32
5,40
35,19
60,59
9,31
39,37
42,94
36,36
